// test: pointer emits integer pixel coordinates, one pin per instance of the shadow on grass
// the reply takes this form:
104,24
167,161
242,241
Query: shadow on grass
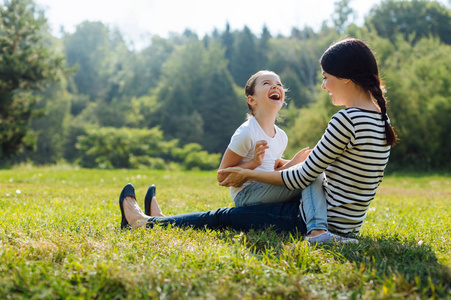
398,260
398,265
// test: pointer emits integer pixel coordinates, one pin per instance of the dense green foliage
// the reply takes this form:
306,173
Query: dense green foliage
62,241
109,147
191,88
26,63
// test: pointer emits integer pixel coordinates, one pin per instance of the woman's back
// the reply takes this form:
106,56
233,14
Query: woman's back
353,154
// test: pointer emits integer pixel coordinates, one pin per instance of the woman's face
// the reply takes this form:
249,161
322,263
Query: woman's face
336,87
268,93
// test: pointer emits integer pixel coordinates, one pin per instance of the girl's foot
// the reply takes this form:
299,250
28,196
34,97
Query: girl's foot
133,213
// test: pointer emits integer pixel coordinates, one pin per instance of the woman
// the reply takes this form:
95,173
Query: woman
352,153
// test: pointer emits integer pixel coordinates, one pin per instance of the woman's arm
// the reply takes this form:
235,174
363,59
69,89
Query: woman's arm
299,177
231,159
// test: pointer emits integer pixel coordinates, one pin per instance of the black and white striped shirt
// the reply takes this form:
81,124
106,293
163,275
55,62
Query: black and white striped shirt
353,155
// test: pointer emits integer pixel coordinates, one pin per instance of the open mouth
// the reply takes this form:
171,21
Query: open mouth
274,96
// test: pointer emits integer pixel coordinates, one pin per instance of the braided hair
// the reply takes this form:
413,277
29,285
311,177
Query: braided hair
353,59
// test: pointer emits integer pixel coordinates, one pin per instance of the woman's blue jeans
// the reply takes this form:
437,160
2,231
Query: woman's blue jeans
314,205
278,216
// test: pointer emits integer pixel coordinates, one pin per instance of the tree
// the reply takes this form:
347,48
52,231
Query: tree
228,40
419,106
413,19
49,129
244,61
149,63
26,64
89,48
197,96
263,49
342,12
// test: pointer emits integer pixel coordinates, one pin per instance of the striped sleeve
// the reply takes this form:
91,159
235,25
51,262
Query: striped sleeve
339,134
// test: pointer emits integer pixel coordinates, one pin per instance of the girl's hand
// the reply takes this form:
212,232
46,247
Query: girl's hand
236,176
298,158
259,152
279,164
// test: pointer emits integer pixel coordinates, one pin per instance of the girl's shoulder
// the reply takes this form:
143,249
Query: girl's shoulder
247,128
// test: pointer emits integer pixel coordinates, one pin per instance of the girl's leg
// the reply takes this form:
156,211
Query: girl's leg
262,193
279,216
314,205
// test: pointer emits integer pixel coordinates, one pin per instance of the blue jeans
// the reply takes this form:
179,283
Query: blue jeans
279,216
296,216
314,205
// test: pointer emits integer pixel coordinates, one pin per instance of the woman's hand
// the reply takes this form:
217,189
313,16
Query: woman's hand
236,176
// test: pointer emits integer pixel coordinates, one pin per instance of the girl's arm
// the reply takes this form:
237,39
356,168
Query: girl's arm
301,156
231,159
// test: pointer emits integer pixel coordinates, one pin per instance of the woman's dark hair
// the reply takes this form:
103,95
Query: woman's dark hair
353,59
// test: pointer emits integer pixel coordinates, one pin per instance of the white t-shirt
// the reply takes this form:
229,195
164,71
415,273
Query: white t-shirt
243,143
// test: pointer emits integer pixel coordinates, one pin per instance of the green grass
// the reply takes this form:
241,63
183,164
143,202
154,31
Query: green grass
60,238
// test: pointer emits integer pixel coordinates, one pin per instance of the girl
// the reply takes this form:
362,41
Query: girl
258,144
353,154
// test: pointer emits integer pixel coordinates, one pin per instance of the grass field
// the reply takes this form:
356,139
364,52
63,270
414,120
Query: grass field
60,239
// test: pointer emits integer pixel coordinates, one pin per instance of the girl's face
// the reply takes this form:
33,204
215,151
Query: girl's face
336,87
268,93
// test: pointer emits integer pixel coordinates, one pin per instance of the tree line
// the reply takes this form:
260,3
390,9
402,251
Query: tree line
88,98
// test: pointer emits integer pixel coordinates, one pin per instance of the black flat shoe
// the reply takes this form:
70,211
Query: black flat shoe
128,190
148,199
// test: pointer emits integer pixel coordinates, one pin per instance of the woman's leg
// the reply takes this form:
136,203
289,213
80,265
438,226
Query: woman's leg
262,193
314,212
314,205
133,213
279,216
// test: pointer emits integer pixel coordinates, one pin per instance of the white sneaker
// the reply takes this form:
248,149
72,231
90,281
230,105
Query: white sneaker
328,237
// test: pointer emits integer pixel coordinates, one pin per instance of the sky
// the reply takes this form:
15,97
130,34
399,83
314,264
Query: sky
139,19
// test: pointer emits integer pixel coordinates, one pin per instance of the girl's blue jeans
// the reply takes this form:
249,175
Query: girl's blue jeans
295,215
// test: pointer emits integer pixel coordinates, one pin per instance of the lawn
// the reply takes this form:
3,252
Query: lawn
60,238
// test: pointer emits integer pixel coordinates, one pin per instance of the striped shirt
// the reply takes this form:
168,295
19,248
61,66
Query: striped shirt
353,155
